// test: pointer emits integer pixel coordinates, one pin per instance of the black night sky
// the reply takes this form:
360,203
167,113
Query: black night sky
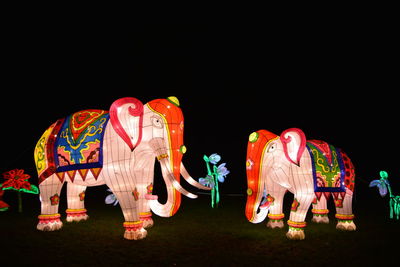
338,84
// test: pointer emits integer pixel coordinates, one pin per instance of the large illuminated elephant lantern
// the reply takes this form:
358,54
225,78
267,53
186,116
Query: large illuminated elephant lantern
312,170
117,148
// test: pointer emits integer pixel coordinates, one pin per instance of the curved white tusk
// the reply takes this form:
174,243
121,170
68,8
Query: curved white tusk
169,174
178,187
190,180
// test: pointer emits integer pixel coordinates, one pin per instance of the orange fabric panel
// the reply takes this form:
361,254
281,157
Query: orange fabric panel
255,151
174,118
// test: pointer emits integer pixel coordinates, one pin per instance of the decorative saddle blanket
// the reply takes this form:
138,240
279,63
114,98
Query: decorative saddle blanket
79,141
328,167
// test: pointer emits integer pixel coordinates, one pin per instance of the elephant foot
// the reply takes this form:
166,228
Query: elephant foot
49,222
77,218
297,234
135,234
296,230
345,222
148,223
76,215
145,217
320,219
346,226
134,230
275,224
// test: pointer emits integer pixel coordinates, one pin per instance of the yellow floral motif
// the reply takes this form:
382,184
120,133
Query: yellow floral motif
40,150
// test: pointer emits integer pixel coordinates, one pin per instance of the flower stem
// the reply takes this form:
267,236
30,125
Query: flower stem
216,185
211,175
19,202
212,197
390,191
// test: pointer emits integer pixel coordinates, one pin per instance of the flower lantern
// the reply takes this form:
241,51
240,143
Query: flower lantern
383,187
217,174
17,180
3,205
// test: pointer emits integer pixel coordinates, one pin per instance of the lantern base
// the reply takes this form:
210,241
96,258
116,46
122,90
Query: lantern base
347,225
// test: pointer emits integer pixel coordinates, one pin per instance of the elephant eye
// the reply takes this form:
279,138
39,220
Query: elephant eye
271,148
157,122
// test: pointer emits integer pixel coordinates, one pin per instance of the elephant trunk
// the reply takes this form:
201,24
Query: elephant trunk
171,159
174,189
170,162
256,179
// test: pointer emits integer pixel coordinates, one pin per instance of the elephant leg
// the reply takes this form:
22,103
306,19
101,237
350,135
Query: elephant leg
76,203
275,194
145,213
296,222
344,213
320,210
133,225
49,218
146,193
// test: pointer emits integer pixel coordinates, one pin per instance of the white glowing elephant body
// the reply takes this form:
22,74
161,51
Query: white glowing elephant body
276,165
133,138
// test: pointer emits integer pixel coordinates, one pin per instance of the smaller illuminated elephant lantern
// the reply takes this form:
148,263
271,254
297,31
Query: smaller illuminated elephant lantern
117,148
312,170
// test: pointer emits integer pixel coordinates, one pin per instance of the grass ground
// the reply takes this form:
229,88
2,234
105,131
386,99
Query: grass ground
196,236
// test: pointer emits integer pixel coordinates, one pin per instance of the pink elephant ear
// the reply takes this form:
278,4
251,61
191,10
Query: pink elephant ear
294,143
126,117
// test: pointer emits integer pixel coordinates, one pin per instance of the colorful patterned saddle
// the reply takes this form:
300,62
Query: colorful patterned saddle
79,142
328,167
72,144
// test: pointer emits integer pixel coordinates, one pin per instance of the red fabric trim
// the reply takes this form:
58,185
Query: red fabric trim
60,176
83,173
255,151
50,151
96,172
133,226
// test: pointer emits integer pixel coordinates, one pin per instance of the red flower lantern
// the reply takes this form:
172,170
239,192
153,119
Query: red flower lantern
17,180
3,205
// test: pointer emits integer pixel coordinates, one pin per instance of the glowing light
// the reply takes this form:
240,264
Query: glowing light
384,187
96,147
217,174
17,180
313,166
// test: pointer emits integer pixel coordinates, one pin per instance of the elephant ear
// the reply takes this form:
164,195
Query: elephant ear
294,143
126,117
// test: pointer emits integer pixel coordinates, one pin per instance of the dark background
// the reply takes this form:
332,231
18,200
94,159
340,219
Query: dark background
338,83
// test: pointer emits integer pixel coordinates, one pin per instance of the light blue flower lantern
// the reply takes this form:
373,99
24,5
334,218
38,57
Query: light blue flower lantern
217,174
384,186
